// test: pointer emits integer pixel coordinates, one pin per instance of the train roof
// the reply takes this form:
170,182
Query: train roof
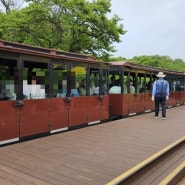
130,65
20,48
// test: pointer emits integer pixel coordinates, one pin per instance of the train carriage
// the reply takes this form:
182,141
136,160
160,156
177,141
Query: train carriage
135,86
41,91
46,91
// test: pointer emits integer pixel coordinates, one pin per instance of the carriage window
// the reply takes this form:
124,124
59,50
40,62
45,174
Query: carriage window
125,83
178,84
149,83
132,83
59,80
181,84
35,80
104,88
78,84
115,82
129,83
169,78
141,83
94,82
8,80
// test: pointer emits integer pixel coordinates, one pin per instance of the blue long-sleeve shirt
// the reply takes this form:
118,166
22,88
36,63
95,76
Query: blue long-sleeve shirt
160,88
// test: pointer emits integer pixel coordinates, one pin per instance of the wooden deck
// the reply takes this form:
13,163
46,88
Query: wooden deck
90,156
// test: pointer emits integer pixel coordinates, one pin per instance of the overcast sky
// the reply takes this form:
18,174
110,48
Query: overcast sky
154,27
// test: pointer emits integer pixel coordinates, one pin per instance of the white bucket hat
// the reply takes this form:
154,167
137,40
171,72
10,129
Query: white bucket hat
161,75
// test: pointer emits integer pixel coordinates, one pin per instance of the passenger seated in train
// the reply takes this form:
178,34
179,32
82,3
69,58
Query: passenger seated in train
60,94
95,89
104,86
113,81
82,88
74,92
3,96
142,88
33,91
132,88
150,85
178,86
7,91
116,89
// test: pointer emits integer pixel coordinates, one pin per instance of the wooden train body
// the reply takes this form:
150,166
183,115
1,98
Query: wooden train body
45,91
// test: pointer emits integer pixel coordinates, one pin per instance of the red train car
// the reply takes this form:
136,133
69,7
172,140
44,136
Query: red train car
134,85
44,91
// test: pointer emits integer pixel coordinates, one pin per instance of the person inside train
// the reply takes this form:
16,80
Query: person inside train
129,84
82,88
142,88
33,89
115,89
60,93
3,95
113,81
95,89
7,90
104,87
132,88
74,92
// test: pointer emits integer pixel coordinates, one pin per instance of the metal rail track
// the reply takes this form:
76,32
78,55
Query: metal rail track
166,167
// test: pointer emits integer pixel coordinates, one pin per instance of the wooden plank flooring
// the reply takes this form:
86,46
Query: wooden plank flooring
90,156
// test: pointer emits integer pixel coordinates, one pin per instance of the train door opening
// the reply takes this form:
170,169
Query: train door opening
35,112
84,86
59,116
9,109
77,91
76,96
104,99
116,90
94,104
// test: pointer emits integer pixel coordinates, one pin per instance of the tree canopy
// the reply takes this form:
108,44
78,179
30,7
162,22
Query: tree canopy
71,25
163,62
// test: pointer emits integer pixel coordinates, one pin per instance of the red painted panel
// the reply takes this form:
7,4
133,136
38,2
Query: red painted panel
78,112
125,104
183,96
149,104
140,103
9,120
171,101
59,113
180,97
133,104
104,107
174,98
34,117
93,108
115,101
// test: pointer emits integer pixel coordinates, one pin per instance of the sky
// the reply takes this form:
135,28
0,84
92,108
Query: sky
154,27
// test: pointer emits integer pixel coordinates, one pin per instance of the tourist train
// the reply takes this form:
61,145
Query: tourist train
46,91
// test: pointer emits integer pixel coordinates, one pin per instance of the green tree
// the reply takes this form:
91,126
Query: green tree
72,25
162,62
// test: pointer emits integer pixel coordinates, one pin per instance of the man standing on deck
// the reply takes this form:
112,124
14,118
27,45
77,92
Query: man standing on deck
160,93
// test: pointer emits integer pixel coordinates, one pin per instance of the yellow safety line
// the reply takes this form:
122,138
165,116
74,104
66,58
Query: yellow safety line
136,168
173,174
